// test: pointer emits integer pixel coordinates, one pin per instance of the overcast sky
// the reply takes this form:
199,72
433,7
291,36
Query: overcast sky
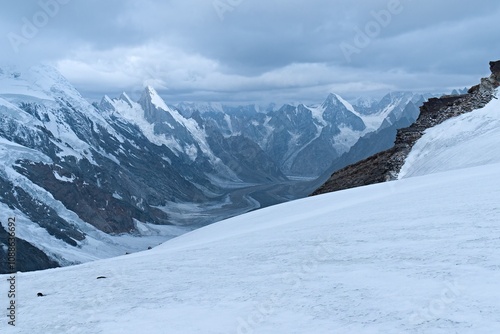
255,50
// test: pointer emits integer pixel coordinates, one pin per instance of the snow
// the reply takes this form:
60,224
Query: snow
117,196
108,100
468,140
346,139
347,105
204,107
366,102
124,97
48,80
64,178
191,151
197,133
156,99
317,113
107,246
229,122
46,87
418,255
374,121
11,152
132,112
11,84
185,213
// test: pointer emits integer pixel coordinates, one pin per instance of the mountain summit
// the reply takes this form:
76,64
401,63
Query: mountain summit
340,112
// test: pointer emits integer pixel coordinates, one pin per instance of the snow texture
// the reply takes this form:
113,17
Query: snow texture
469,140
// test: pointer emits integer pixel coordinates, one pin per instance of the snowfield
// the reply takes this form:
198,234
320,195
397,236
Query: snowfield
417,255
469,140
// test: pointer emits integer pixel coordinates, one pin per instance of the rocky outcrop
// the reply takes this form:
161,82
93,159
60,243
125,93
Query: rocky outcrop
386,165
495,70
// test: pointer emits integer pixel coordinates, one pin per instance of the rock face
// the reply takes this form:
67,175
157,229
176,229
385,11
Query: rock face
495,70
386,165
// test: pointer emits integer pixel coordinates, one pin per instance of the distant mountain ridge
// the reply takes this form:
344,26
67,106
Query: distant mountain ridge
303,140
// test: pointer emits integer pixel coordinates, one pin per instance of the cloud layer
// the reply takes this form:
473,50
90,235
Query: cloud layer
255,51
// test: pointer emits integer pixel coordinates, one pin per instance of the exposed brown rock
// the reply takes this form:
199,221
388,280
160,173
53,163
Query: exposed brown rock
495,69
495,66
473,89
93,205
386,165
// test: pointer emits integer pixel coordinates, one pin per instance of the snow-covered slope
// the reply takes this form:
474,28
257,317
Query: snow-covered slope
471,139
417,255
420,257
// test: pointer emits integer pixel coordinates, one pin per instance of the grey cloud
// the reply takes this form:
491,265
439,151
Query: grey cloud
261,50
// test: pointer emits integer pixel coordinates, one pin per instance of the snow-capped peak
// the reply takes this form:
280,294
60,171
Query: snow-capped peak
155,98
106,104
337,100
346,104
330,100
125,98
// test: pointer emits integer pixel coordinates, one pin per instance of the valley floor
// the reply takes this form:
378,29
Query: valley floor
241,200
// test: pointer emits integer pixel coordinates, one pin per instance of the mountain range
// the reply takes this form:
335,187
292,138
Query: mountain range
418,254
305,140
88,181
